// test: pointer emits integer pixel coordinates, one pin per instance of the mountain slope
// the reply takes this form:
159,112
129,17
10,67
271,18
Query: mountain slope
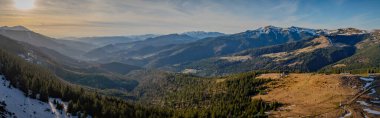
301,56
229,44
38,40
16,104
69,69
366,59
202,34
82,46
119,67
107,40
39,84
138,48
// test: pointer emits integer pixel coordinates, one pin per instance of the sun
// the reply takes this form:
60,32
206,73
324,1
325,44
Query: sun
24,4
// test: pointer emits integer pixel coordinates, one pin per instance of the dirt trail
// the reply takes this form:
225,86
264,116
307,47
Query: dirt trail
311,95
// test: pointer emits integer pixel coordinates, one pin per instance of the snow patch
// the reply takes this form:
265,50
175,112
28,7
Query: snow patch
377,102
347,114
366,79
236,58
363,103
22,106
373,91
367,85
190,71
371,111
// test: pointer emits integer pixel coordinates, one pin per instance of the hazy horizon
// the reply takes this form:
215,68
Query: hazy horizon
86,18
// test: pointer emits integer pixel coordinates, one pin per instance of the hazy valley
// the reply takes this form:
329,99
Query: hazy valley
189,59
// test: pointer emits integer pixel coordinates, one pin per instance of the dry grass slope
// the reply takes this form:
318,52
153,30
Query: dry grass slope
310,94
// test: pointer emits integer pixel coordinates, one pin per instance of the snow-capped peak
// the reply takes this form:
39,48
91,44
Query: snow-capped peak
315,32
268,29
347,31
15,28
293,29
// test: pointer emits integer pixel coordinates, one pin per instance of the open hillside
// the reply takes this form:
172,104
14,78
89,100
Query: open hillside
25,35
320,95
366,59
189,59
40,84
69,69
229,44
138,49
307,55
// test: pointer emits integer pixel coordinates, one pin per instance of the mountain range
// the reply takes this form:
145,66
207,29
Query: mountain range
180,72
266,48
213,53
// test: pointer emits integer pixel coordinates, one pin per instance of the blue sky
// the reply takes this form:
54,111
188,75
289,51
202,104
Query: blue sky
126,17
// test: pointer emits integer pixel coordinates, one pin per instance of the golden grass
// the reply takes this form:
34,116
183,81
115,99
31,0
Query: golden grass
308,94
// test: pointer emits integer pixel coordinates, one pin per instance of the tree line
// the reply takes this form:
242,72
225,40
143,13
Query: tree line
38,81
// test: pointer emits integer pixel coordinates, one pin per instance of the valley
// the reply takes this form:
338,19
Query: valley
266,72
222,75
189,59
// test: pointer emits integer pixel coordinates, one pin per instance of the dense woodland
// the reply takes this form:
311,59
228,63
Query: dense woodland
307,62
220,97
366,60
232,101
29,77
68,69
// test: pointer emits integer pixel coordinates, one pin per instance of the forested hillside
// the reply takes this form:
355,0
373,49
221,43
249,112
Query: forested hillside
74,71
29,77
189,58
199,96
302,56
365,60
207,101
97,89
25,35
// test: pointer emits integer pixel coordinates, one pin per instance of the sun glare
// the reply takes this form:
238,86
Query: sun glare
24,4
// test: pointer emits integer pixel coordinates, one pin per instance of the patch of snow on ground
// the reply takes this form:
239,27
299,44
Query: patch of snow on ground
367,85
347,114
371,111
25,107
59,113
363,103
190,71
366,79
377,102
373,91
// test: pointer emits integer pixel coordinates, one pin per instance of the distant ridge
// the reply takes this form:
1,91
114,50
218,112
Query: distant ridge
15,28
203,34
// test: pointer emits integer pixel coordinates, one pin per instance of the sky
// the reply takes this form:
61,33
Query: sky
77,18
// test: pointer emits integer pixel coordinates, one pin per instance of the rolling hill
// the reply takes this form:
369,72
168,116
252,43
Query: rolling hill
366,59
154,54
71,70
107,40
25,35
229,44
267,49
203,34
138,49
308,55
119,67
